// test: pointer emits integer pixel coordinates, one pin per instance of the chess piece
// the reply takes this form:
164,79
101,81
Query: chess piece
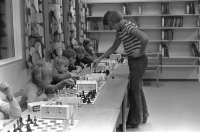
88,100
35,121
107,72
113,77
21,121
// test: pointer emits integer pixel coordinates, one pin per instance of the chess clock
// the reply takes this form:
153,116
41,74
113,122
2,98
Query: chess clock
86,85
35,106
63,112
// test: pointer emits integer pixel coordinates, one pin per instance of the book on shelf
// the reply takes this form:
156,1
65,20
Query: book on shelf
126,9
89,10
165,8
167,34
95,45
194,50
172,21
198,21
190,8
164,50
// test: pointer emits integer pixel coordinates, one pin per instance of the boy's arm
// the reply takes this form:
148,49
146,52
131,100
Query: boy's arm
12,108
60,85
59,77
143,39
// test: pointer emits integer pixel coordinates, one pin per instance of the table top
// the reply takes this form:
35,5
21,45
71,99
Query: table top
111,95
100,120
121,72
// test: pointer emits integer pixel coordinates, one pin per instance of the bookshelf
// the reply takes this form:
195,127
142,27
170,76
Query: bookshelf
175,23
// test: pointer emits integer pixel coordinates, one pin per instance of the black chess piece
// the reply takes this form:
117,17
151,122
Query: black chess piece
21,121
122,60
107,72
28,127
88,100
29,118
113,77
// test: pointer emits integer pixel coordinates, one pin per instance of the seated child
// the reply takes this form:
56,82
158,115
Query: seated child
41,77
61,65
89,52
80,54
10,108
71,55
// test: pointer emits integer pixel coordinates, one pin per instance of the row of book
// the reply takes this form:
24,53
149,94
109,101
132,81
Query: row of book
165,8
172,21
167,34
95,45
96,24
190,8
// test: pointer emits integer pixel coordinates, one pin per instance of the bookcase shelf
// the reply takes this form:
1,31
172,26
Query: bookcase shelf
177,27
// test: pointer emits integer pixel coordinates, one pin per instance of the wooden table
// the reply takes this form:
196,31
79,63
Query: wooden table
98,120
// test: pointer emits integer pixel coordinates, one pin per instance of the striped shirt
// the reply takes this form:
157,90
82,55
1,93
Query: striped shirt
130,42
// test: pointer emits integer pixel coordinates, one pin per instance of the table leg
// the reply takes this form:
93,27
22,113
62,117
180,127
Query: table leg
124,114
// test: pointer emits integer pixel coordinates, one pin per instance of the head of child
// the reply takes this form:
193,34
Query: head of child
113,19
80,52
61,64
71,55
41,74
88,45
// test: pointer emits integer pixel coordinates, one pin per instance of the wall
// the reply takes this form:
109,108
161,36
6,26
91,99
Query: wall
16,73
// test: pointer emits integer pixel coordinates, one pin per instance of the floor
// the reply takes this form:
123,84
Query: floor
173,107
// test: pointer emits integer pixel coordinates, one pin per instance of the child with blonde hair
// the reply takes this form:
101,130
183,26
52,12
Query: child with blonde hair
41,77
71,55
61,65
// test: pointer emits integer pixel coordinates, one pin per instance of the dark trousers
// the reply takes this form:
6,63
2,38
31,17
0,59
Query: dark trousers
138,107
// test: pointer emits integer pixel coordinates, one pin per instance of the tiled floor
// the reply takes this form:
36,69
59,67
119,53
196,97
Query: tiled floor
173,107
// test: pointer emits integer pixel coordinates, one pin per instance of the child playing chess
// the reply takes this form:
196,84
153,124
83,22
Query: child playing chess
80,54
89,52
61,65
41,77
10,108
73,66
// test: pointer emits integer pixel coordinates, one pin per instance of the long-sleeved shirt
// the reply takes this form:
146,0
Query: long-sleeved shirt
34,94
10,108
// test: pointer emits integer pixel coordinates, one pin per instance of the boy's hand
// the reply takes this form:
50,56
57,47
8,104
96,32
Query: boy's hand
95,62
68,81
5,88
75,77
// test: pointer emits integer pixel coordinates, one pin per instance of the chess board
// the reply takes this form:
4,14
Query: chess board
47,125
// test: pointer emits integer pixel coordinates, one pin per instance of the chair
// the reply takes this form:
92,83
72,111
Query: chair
155,60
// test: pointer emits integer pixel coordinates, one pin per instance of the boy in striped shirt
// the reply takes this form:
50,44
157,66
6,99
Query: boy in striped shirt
134,43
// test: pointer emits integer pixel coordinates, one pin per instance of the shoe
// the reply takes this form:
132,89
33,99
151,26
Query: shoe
128,126
144,120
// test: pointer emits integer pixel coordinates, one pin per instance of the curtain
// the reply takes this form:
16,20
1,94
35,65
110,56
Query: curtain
72,23
34,32
56,27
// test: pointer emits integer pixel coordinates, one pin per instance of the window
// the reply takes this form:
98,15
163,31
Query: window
6,30
10,31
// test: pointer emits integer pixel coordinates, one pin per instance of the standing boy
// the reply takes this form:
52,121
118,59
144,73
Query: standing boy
134,42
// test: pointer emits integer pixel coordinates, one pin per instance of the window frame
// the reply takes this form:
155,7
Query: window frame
16,16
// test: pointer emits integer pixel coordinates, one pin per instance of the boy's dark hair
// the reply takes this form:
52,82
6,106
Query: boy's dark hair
112,16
